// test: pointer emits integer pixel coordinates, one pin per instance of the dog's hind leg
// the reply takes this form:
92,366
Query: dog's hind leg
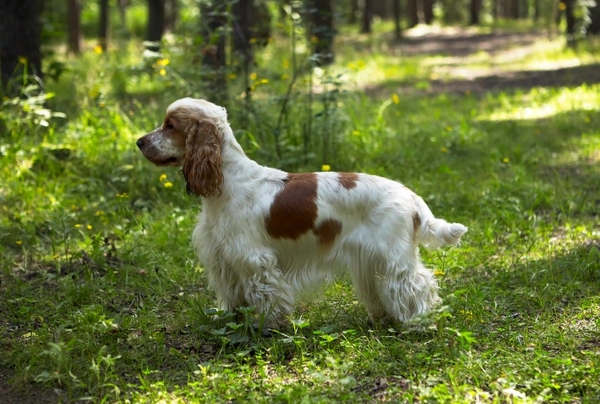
407,289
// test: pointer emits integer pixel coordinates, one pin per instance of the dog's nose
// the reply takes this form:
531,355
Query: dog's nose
140,142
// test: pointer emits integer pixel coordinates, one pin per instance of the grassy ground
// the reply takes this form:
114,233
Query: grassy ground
102,300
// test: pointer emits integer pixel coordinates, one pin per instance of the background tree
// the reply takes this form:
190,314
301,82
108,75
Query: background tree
474,12
397,25
322,30
103,23
213,20
412,13
20,37
156,24
428,11
241,17
74,26
367,16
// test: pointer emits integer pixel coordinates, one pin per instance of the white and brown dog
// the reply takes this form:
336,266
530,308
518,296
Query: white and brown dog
264,235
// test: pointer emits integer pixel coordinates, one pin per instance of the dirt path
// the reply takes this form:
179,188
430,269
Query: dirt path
460,44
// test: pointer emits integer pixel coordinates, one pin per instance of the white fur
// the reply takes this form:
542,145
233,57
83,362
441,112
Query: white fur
377,243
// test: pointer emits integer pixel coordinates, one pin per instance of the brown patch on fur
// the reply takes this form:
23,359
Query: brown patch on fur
203,160
416,224
348,180
327,231
294,209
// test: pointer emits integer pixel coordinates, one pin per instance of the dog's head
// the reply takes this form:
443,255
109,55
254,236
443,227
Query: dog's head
190,138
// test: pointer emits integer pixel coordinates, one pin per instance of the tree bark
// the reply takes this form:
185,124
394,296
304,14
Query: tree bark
322,31
397,26
20,39
74,26
428,11
242,15
212,27
413,13
156,24
570,17
475,11
103,25
367,17
514,9
172,17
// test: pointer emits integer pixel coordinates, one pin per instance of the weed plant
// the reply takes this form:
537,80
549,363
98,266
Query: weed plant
103,300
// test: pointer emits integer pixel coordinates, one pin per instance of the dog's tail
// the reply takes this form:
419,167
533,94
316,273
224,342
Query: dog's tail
433,232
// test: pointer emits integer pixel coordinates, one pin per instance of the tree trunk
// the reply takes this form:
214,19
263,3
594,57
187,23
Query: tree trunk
103,25
475,10
594,27
367,17
172,15
536,10
242,14
397,27
322,32
213,21
413,13
74,26
514,9
20,39
571,20
428,11
122,4
156,24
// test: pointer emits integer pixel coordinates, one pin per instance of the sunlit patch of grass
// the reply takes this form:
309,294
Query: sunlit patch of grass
102,296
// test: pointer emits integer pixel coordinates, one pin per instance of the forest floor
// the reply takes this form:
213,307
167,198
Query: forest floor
523,287
476,62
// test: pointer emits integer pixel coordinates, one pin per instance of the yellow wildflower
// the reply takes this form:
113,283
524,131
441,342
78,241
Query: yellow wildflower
89,227
505,160
232,76
168,184
356,132
264,81
98,49
162,72
444,150
162,177
396,99
253,76
18,242
22,60
77,226
326,167
562,6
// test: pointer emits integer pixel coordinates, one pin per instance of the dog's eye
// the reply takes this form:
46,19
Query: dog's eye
168,125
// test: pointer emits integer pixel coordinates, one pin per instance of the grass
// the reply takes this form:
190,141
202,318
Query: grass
102,299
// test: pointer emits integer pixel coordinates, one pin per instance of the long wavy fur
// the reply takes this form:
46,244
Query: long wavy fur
203,160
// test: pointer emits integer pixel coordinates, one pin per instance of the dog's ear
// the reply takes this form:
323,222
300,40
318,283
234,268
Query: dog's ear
203,160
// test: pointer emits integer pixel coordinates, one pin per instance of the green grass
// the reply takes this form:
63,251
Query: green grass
101,297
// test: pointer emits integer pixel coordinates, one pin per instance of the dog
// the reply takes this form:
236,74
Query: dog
265,236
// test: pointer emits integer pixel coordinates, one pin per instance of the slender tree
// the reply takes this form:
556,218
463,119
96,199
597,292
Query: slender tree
322,30
367,16
156,24
397,26
213,22
475,10
74,26
427,11
172,15
412,13
242,14
20,38
103,24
